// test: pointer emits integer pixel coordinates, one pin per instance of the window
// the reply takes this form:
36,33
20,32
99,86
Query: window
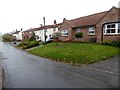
54,29
78,30
91,31
110,28
64,32
37,37
113,28
50,35
118,27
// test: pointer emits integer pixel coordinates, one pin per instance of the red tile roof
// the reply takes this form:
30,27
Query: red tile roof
43,27
87,20
47,27
29,30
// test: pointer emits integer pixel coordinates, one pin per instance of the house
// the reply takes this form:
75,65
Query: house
47,31
98,27
28,33
40,32
17,35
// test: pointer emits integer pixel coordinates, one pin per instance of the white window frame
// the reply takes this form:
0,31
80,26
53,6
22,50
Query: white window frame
90,30
118,28
106,28
78,30
64,32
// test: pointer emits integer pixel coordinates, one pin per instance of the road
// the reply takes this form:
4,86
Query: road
23,70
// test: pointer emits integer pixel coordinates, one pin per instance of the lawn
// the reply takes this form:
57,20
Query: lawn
77,53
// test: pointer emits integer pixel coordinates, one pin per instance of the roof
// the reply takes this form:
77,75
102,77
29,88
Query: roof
87,20
16,32
43,27
47,27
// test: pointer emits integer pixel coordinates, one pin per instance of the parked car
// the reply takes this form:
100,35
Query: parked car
49,40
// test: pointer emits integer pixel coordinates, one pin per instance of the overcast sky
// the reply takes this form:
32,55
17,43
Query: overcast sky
17,14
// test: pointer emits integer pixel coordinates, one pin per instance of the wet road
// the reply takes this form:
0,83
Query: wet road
24,70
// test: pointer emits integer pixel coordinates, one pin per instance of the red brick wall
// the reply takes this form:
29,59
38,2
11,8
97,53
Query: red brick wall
26,35
86,36
111,37
110,17
66,26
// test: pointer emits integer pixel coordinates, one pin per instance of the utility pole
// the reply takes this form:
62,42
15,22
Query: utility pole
44,29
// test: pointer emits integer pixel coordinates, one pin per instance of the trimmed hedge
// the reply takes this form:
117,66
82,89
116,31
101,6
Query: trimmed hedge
31,44
112,43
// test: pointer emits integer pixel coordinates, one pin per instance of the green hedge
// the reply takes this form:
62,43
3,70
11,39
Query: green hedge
31,44
112,43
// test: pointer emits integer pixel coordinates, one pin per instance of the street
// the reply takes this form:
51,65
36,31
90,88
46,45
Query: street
23,70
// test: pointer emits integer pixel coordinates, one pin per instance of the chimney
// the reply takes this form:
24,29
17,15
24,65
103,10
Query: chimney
55,22
64,19
41,25
21,29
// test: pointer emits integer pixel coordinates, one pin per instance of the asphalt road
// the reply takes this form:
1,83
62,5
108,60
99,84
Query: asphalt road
23,70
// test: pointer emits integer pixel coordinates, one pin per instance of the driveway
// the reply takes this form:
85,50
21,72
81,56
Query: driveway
23,70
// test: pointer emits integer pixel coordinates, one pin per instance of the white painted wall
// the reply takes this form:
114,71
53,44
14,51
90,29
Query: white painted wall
18,36
15,35
40,34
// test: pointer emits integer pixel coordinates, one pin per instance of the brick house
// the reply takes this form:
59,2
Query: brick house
28,33
99,27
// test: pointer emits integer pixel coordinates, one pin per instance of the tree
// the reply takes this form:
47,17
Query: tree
32,38
56,36
7,37
79,35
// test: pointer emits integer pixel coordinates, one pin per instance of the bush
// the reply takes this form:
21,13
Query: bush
7,37
112,43
24,42
79,35
32,38
31,44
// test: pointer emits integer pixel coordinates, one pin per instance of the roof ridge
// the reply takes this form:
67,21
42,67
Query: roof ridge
89,15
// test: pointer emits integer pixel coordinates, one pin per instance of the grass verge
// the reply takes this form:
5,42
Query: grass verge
77,53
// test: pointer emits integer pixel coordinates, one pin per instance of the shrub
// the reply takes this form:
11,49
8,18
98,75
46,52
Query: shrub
56,36
7,37
32,38
112,43
79,35
24,42
31,44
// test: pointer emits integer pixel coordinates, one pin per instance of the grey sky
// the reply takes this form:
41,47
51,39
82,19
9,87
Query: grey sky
16,14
